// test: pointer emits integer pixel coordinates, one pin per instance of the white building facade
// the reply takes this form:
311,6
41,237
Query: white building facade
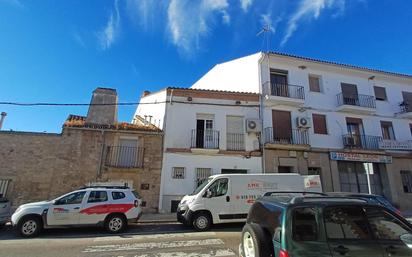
348,124
205,133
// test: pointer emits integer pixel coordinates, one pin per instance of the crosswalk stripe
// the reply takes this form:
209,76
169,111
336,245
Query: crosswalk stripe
211,253
156,236
152,245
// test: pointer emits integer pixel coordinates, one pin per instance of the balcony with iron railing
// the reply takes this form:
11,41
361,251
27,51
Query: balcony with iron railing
363,104
283,94
405,110
235,141
124,157
292,137
204,139
365,142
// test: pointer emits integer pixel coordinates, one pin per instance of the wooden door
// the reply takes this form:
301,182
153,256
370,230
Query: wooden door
279,84
282,126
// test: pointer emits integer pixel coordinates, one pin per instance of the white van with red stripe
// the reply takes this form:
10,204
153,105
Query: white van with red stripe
109,206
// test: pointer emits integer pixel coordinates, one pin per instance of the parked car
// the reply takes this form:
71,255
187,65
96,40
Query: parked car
4,210
226,198
108,206
297,225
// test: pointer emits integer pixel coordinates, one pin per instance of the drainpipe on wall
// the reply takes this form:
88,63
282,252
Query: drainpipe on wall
262,136
99,170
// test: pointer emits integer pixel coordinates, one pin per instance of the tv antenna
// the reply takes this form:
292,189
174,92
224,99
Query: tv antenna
266,30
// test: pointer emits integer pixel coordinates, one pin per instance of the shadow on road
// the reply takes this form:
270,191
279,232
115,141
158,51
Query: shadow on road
8,233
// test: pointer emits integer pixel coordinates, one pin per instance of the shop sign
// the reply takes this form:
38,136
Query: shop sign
395,145
360,157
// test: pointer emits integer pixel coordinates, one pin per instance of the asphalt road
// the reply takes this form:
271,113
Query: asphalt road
148,240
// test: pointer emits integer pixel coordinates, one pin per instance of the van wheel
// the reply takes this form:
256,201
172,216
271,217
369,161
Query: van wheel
255,242
202,221
115,223
30,226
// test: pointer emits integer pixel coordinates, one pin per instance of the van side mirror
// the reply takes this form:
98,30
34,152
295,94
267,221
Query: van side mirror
407,240
208,193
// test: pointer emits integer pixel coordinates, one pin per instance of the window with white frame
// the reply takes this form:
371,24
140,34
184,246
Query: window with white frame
202,174
178,172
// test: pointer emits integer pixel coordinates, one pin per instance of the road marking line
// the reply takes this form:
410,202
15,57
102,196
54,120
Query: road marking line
151,245
212,253
156,236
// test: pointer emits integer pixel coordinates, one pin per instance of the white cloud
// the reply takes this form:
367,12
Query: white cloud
145,12
308,9
189,21
15,3
245,4
79,39
109,33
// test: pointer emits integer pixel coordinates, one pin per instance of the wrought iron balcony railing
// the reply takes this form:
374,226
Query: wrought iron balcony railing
367,101
235,142
292,137
206,139
361,141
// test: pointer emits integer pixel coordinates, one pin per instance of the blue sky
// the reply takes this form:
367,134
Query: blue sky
60,51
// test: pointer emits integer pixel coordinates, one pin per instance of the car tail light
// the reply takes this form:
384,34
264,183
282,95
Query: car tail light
136,203
283,253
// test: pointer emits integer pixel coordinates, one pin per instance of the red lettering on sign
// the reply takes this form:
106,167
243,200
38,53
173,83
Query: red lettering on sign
107,208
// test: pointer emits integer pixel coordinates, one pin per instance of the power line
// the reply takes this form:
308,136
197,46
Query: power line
124,104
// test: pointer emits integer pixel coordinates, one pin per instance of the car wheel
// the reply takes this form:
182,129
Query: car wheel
115,223
255,242
30,226
202,221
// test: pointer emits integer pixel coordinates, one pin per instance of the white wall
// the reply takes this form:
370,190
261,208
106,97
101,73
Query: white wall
240,75
181,120
326,103
156,110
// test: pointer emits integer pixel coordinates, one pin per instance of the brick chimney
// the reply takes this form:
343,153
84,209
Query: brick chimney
103,114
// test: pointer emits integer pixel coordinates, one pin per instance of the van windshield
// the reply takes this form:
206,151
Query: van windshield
201,186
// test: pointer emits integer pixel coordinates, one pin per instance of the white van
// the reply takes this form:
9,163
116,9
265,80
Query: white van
226,198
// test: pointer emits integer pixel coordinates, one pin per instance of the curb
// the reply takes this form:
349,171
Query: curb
156,221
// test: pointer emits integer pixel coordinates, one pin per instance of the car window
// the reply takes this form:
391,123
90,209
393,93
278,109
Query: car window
384,225
346,223
305,226
74,198
118,195
97,197
219,187
136,194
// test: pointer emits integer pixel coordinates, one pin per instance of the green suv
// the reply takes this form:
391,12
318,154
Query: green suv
297,225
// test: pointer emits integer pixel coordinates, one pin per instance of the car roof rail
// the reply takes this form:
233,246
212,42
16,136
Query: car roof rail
106,187
272,193
302,199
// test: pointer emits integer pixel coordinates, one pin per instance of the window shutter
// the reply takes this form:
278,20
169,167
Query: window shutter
314,84
319,124
380,93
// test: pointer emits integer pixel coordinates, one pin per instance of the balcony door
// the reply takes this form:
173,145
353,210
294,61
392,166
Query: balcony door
350,94
204,132
279,83
282,127
407,100
355,131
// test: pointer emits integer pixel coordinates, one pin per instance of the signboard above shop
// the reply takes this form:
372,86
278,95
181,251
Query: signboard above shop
360,157
395,145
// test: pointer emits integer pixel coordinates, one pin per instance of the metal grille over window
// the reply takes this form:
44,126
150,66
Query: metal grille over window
202,174
178,173
4,184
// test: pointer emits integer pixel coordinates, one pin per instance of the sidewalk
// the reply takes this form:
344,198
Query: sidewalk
158,218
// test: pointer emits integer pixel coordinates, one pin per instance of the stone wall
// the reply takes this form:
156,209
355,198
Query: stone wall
43,165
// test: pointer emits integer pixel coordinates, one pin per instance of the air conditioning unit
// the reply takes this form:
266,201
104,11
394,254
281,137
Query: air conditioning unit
349,141
253,126
303,122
